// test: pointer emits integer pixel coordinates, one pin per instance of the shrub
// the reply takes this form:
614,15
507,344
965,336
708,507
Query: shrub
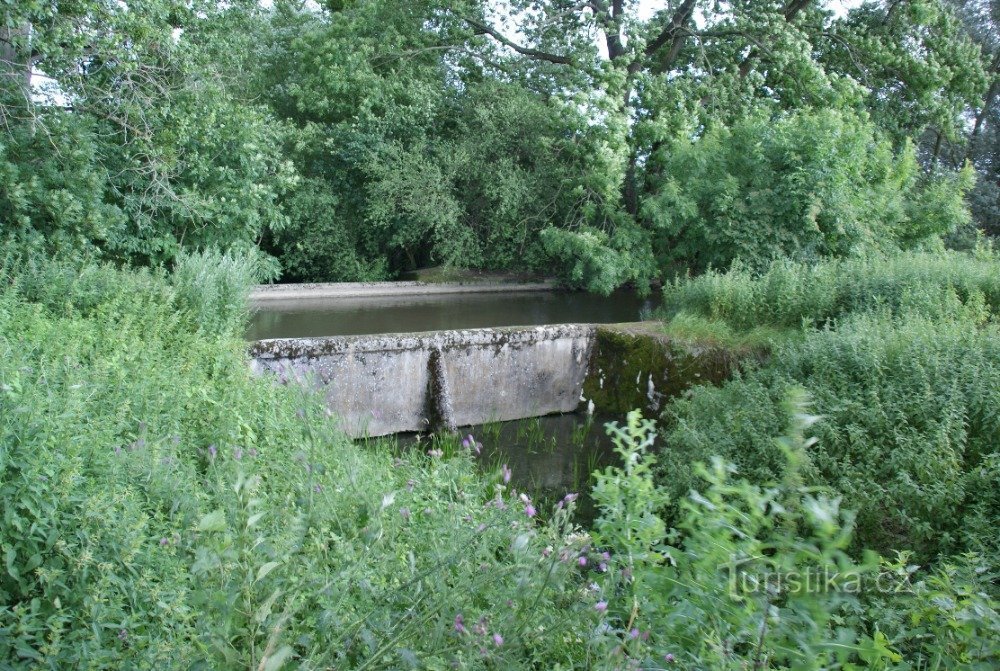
909,433
805,186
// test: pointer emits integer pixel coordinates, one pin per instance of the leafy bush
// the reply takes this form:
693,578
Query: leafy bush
760,576
909,433
805,186
788,294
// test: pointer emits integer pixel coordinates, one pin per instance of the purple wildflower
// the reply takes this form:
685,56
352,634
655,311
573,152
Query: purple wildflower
498,640
569,498
481,528
252,452
212,451
460,624
582,561
123,635
164,541
505,473
468,441
529,510
634,633
601,606
238,453
668,658
602,567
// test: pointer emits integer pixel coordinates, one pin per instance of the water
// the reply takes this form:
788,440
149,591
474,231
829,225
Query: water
548,456
303,318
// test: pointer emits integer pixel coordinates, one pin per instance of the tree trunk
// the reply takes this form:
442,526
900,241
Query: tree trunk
15,60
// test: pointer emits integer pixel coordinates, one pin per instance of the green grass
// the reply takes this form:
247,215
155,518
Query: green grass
792,296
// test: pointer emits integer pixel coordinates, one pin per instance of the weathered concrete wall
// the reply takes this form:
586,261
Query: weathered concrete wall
638,366
391,383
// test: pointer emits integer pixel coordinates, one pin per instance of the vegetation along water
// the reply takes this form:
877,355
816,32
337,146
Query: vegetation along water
814,182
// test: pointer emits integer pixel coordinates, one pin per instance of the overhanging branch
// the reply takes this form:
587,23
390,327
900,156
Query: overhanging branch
483,29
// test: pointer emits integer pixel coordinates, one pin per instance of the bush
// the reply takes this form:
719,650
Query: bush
806,186
909,433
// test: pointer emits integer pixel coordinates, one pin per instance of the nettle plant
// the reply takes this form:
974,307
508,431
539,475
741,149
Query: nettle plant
760,576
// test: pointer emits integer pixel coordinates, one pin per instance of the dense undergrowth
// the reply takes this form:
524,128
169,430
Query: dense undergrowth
164,508
902,360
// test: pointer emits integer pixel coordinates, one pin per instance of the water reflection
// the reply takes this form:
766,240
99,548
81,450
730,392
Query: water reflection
300,318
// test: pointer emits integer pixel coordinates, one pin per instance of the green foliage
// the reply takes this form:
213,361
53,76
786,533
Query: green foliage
760,575
165,508
900,356
807,186
790,295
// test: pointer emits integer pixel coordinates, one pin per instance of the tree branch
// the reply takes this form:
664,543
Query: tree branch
483,29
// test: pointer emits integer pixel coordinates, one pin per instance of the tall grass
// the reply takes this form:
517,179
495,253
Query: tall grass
790,295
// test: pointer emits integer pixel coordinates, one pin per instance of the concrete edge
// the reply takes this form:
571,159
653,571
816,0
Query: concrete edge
268,292
296,348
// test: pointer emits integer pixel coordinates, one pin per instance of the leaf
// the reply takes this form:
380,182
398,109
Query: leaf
212,522
256,517
275,661
266,568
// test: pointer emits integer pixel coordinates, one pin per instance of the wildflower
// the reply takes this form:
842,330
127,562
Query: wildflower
606,556
547,551
410,484
435,453
634,633
212,451
602,567
529,510
468,442
481,528
505,474
164,541
480,627
668,658
582,561
252,452
317,488
123,635
405,513
601,606
498,640
569,498
460,624
238,453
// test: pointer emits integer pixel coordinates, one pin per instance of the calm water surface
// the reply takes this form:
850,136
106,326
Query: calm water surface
394,314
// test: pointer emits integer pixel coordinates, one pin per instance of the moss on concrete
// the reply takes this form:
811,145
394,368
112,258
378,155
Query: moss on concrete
638,366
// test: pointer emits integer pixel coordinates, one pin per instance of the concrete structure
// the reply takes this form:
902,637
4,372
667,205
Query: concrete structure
391,383
283,292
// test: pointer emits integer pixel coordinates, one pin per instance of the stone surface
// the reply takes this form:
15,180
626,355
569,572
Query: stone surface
283,292
382,384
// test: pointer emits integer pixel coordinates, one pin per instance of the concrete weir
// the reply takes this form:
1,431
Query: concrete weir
391,383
